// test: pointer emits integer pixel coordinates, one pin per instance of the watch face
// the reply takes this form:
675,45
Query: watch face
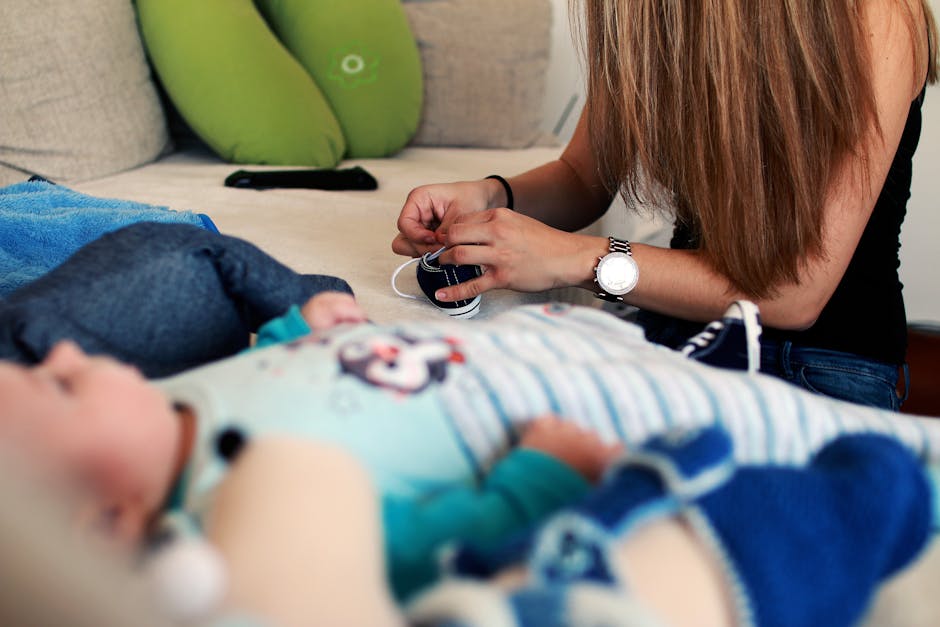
617,273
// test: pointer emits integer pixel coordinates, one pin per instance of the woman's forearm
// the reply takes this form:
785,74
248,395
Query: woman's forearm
683,284
556,195
567,193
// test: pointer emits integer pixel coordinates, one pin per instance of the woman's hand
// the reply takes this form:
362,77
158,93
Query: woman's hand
516,252
430,209
571,444
328,309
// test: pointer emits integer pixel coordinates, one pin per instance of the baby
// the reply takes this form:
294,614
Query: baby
137,452
297,522
441,417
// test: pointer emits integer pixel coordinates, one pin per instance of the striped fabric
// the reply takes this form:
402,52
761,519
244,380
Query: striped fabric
424,405
601,372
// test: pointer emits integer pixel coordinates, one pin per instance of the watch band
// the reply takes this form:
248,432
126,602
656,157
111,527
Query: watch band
619,246
616,245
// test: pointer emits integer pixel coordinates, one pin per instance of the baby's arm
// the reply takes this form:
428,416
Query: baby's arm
581,449
297,525
325,310
328,309
553,466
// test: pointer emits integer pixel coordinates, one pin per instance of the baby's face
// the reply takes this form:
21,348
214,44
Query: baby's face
97,424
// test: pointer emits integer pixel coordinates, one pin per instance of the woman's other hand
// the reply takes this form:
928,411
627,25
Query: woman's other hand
430,209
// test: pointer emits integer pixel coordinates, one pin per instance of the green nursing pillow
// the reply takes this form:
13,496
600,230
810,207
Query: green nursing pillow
259,97
236,85
364,58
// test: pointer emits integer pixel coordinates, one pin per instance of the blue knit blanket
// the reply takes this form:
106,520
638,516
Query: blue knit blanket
42,224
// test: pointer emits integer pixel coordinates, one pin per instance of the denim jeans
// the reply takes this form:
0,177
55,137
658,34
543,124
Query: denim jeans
833,373
162,297
844,376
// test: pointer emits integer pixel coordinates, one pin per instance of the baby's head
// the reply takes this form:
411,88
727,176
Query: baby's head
97,425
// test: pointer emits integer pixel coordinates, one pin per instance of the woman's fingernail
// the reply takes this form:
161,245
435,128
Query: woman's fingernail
440,295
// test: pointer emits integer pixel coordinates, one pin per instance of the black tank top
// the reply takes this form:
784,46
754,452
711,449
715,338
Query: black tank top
865,315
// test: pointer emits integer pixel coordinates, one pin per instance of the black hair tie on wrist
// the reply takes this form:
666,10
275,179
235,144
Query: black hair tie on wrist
505,184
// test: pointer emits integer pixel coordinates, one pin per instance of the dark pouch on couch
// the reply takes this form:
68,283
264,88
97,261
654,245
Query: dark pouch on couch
355,178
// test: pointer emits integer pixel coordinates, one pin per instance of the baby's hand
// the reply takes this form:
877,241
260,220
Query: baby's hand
328,309
564,440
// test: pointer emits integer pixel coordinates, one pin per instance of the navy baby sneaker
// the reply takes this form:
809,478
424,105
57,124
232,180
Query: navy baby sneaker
433,275
732,342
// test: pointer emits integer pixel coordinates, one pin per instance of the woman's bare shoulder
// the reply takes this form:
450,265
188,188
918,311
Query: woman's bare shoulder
897,32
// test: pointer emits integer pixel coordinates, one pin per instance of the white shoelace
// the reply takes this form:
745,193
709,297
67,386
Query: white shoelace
427,257
703,338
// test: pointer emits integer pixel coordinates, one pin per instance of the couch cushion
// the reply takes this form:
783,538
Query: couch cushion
76,95
484,70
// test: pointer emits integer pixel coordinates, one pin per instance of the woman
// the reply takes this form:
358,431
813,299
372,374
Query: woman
782,133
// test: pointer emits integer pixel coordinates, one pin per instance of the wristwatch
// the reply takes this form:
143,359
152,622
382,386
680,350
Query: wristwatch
616,272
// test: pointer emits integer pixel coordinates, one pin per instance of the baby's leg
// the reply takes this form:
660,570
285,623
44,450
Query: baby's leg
668,570
298,526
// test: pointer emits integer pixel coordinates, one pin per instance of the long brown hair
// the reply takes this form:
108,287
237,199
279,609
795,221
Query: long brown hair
741,111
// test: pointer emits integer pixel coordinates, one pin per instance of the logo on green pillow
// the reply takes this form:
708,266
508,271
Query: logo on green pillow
353,65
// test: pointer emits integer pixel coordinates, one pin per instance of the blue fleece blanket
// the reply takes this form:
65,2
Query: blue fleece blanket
42,224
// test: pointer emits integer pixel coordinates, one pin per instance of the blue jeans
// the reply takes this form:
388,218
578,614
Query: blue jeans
162,297
844,376
833,373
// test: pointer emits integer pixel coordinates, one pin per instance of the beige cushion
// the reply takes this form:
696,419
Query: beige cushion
76,97
484,70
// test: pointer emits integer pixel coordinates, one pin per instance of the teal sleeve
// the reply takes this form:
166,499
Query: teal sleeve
288,327
522,489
